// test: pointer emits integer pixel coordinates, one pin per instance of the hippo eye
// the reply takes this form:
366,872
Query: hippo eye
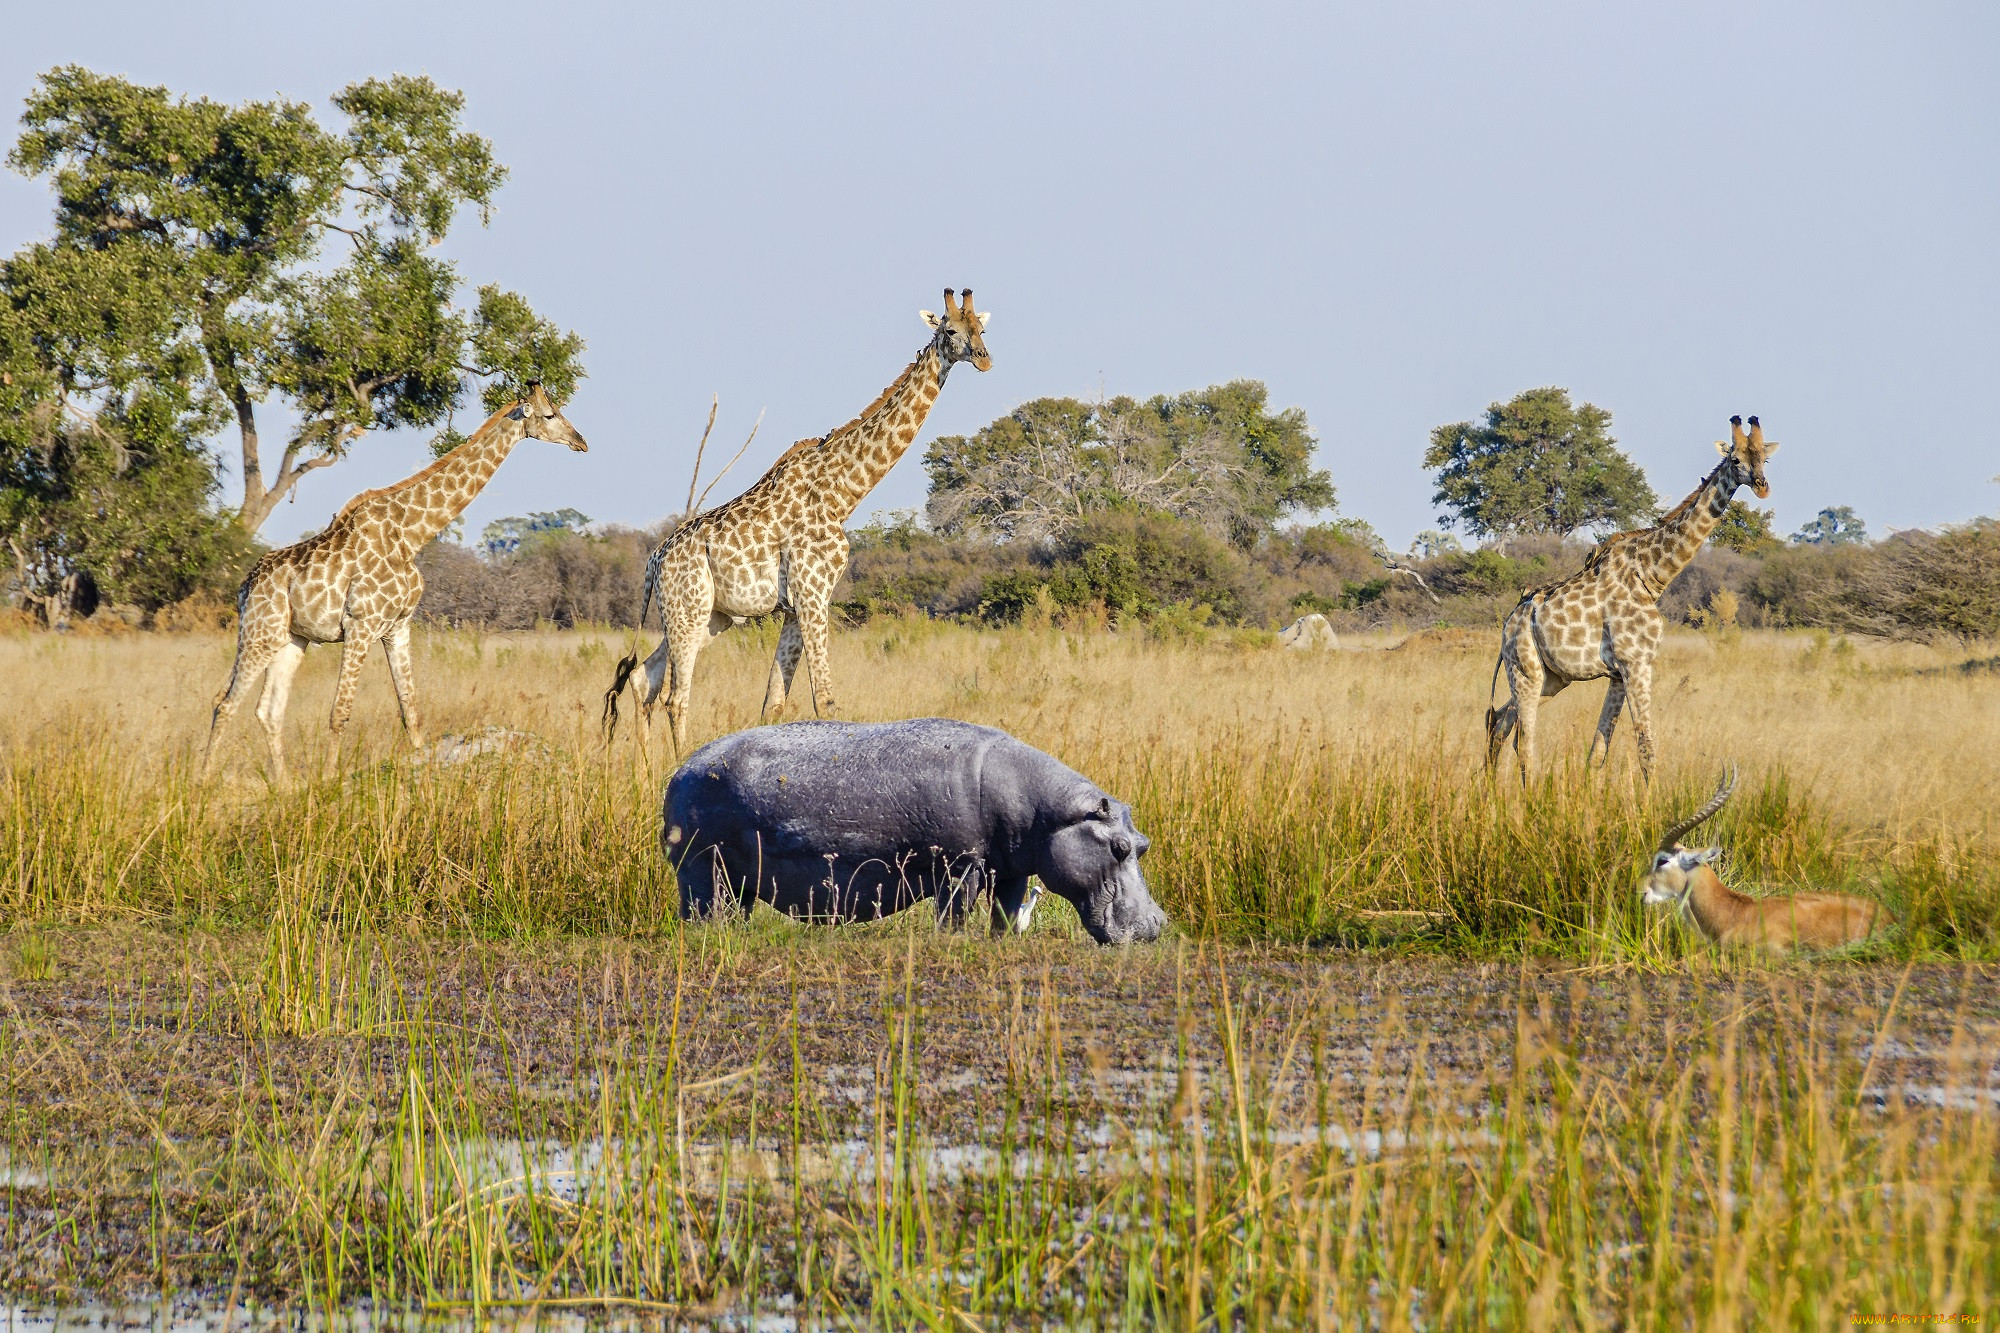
1121,847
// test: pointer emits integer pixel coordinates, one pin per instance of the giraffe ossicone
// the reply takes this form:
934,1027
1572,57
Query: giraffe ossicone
1604,620
782,545
355,582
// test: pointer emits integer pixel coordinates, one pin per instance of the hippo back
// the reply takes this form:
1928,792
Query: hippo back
851,789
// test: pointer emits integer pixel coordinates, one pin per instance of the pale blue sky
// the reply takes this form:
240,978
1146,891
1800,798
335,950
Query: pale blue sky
1392,214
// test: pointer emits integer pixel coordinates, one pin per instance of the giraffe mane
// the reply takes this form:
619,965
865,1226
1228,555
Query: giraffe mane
812,442
1602,551
880,399
416,477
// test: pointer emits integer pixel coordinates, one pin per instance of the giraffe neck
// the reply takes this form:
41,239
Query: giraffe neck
1663,551
422,506
855,458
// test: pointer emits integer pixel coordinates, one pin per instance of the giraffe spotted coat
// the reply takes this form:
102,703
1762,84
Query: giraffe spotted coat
1604,620
782,545
356,582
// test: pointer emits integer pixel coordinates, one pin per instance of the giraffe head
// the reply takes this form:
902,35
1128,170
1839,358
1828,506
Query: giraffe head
961,333
540,419
1746,454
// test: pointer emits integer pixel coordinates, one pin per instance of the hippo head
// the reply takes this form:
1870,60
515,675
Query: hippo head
1092,859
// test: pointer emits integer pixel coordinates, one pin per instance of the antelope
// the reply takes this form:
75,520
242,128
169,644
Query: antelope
1687,880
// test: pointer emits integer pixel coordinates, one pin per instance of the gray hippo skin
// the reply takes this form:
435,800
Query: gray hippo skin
836,821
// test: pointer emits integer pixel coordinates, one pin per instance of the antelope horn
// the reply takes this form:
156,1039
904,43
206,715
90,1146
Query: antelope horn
1736,430
1672,837
1756,433
950,303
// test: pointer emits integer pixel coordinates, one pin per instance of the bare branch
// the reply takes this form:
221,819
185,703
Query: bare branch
714,405
732,462
1395,568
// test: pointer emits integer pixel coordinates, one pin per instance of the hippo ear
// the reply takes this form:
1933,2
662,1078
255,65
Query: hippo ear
1091,804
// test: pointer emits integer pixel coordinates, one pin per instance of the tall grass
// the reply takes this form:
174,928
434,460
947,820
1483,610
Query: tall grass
1273,1158
1288,796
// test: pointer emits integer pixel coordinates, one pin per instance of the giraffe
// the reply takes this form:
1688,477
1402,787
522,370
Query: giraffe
1604,620
782,544
356,581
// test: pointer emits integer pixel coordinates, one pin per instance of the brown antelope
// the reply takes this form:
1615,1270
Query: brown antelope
1686,879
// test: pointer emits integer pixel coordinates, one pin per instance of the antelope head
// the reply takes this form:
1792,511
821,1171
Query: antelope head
1675,866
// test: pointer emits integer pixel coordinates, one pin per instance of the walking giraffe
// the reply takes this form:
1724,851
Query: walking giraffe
1604,620
356,581
782,545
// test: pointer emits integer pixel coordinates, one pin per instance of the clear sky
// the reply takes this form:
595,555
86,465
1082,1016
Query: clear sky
1391,214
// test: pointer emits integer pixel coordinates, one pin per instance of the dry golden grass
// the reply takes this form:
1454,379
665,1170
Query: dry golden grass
1285,792
1859,725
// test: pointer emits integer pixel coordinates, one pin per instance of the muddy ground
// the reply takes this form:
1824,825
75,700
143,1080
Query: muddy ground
130,1034
131,1063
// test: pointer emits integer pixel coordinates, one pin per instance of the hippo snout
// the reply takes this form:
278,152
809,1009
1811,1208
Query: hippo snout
1144,928
1121,911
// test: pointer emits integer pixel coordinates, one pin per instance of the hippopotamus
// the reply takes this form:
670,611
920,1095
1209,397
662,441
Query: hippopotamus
836,821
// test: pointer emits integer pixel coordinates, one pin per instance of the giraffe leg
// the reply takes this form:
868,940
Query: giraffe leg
396,646
353,652
653,680
813,630
685,641
255,650
784,667
1607,722
1500,721
1639,698
1531,686
278,693
1531,705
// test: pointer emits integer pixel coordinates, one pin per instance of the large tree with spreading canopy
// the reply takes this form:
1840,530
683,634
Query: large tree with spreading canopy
255,253
1536,463
1217,456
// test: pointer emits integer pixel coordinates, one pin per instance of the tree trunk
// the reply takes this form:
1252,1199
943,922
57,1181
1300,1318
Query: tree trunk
257,501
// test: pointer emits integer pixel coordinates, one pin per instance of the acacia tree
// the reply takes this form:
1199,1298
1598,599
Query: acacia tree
216,218
1218,457
1536,464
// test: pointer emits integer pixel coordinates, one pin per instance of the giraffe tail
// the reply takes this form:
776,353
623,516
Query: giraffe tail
626,665
630,662
1492,713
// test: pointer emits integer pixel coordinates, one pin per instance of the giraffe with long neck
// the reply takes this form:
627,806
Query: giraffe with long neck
1604,620
782,544
356,583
